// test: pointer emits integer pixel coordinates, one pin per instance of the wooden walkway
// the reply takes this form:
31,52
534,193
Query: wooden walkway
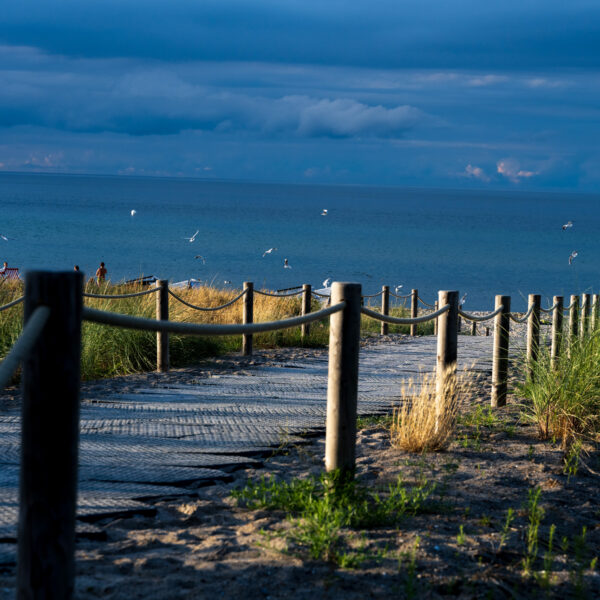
166,440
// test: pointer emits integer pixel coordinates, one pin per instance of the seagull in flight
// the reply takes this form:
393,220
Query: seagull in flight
286,265
324,212
133,213
201,258
191,239
269,251
572,256
327,282
567,225
4,237
398,288
462,300
227,282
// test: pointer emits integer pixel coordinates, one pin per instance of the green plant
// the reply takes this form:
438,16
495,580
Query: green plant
535,515
510,516
410,559
461,537
544,578
571,459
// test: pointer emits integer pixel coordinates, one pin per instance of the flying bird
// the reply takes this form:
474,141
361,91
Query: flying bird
327,282
572,256
462,300
191,239
269,251
4,237
324,212
286,264
567,225
227,282
133,213
398,288
201,258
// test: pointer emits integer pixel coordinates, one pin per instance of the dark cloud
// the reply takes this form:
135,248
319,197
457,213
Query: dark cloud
381,33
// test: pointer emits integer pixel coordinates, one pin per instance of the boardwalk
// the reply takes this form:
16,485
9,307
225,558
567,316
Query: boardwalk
165,440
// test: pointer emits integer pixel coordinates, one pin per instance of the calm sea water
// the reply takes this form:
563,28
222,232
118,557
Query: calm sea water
481,243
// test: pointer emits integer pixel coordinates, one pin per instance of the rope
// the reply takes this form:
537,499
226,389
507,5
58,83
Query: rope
374,295
523,318
277,295
13,303
117,320
404,321
549,310
479,319
397,296
320,295
21,348
565,308
206,309
119,296
425,303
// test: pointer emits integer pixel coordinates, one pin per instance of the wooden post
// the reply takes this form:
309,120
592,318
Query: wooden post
487,332
533,332
557,327
414,310
162,314
385,307
459,321
49,440
248,317
595,312
500,357
436,305
573,321
447,345
306,306
342,384
474,328
586,309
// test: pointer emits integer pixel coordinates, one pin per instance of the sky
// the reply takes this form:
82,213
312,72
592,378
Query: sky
427,93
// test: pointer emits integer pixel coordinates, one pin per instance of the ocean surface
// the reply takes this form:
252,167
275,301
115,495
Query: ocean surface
478,242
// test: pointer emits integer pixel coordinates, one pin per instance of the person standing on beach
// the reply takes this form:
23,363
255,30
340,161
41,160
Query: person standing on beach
101,273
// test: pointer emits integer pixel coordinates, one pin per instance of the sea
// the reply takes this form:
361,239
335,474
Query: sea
481,243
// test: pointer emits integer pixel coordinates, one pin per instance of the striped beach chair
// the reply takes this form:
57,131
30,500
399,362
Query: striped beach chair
10,273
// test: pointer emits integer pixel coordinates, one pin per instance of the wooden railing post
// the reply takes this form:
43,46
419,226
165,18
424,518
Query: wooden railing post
473,327
447,345
533,332
342,383
436,305
557,330
573,321
306,306
248,317
385,307
500,356
49,440
586,310
595,312
162,314
414,310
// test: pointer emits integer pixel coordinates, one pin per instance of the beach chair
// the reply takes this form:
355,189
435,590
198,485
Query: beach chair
10,273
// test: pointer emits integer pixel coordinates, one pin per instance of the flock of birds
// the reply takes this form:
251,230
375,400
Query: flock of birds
573,254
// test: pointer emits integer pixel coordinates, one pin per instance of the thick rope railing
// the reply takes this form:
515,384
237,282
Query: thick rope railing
207,309
475,318
22,347
566,308
404,321
399,296
13,303
120,296
297,293
372,295
523,318
549,310
425,303
320,295
117,320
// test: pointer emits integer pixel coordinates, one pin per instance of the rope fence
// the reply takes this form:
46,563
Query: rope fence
11,304
179,299
479,319
277,295
120,296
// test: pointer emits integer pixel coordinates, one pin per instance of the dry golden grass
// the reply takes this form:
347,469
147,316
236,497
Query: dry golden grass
426,421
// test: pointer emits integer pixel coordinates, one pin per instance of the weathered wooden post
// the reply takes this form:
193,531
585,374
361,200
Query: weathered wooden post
557,330
573,321
306,306
500,356
385,307
595,311
342,383
49,440
533,332
473,327
248,317
162,314
487,332
414,310
447,346
586,309
436,305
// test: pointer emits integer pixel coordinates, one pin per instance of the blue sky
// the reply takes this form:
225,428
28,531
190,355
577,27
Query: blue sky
419,93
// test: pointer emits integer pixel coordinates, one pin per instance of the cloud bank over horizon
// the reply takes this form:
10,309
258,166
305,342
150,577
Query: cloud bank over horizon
432,94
